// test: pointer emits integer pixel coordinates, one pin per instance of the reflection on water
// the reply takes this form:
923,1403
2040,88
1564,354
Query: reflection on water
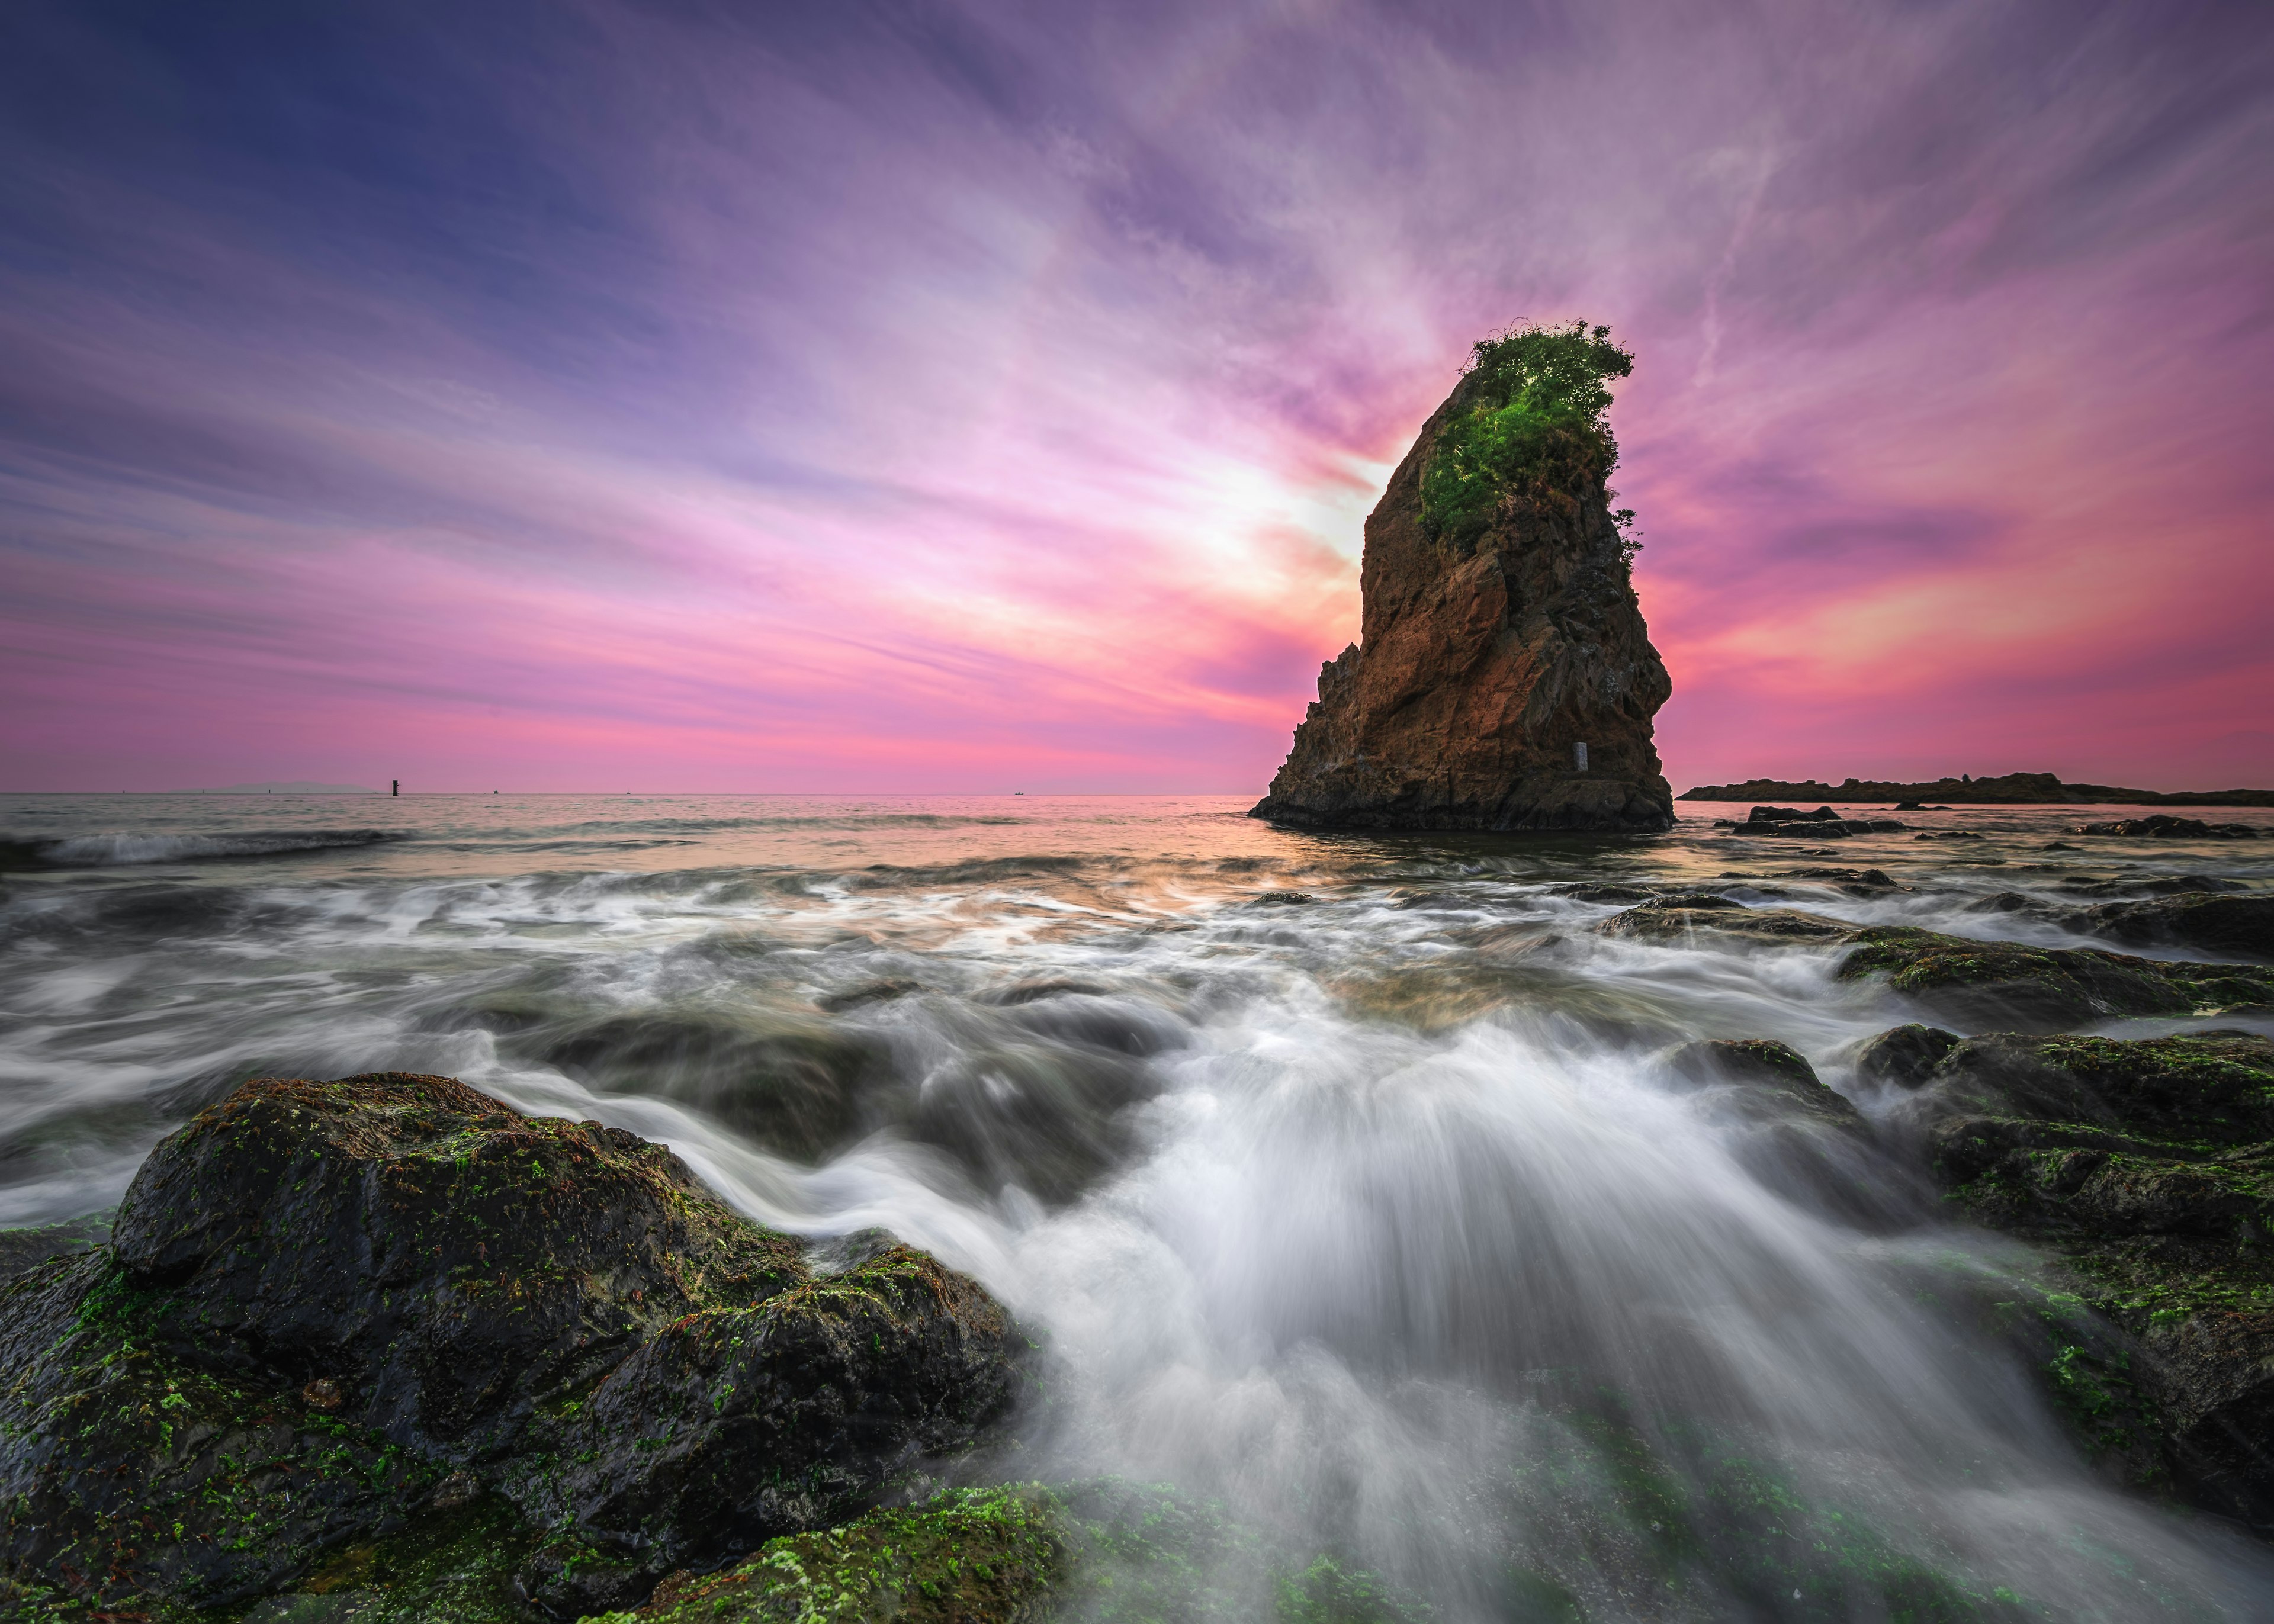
1345,1175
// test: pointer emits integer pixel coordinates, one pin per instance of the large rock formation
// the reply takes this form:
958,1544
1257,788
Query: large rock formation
1504,679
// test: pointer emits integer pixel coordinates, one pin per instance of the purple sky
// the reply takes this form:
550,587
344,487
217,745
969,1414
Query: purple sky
936,397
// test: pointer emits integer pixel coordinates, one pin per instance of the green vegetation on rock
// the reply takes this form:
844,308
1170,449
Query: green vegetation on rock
1098,1553
2046,988
2146,1169
1527,431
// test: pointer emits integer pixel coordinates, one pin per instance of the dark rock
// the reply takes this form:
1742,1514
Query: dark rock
324,1303
870,992
1044,986
1798,1136
1589,891
1776,1079
1948,834
1282,899
1786,814
1903,1056
20,1249
2002,983
1814,826
451,1261
1849,879
2148,1170
1659,922
2164,826
1484,665
2004,902
790,1081
734,1425
2241,926
2158,886
126,1470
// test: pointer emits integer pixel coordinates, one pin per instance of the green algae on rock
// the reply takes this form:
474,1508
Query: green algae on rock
2038,989
445,1260
2147,1168
1104,1551
732,1425
335,1316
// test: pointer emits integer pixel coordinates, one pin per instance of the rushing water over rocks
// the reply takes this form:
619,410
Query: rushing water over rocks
1362,1182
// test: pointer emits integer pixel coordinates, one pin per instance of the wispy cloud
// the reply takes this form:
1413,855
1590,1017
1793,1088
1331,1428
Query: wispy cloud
940,397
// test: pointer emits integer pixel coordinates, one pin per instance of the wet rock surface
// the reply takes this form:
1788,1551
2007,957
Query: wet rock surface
2147,1168
2045,989
2208,921
330,1307
1483,666
2164,826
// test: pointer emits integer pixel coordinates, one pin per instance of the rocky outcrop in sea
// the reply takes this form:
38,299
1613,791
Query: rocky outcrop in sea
1503,678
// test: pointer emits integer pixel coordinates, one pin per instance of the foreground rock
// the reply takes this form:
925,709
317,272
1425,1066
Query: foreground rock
331,1309
1503,678
2147,1168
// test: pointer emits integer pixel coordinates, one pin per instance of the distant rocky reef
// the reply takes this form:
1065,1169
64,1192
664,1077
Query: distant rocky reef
1503,679
2015,789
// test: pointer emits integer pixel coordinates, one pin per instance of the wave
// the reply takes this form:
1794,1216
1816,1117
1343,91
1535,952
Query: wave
110,850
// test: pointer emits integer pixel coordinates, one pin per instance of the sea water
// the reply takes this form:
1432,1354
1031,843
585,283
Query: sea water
1337,1176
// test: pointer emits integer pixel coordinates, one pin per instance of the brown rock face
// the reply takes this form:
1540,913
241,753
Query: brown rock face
1483,668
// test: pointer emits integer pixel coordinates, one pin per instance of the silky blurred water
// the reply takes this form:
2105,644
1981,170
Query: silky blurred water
1337,1173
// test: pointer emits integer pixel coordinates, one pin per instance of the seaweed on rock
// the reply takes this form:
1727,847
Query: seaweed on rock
336,1316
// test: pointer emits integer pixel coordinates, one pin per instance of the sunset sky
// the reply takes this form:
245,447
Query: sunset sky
942,397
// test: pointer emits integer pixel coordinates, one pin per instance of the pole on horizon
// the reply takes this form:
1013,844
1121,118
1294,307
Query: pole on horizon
395,786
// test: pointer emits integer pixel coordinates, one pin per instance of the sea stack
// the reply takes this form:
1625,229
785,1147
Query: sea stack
1504,679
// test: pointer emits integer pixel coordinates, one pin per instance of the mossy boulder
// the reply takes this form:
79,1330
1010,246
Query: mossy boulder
344,1318
127,1472
442,1260
2147,1170
732,1425
2044,990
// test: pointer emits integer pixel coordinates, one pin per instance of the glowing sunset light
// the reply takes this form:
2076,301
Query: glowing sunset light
850,402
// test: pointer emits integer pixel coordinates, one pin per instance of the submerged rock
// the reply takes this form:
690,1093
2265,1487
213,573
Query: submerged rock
1974,982
1904,1057
329,1306
2211,922
1797,1135
1503,678
2147,1168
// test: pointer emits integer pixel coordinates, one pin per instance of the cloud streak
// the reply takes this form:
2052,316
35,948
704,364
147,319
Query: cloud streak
939,397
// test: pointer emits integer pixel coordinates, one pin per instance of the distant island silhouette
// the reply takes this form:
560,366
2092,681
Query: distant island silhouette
2015,789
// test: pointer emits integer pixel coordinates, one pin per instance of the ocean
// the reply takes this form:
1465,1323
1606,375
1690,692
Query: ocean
1337,1174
